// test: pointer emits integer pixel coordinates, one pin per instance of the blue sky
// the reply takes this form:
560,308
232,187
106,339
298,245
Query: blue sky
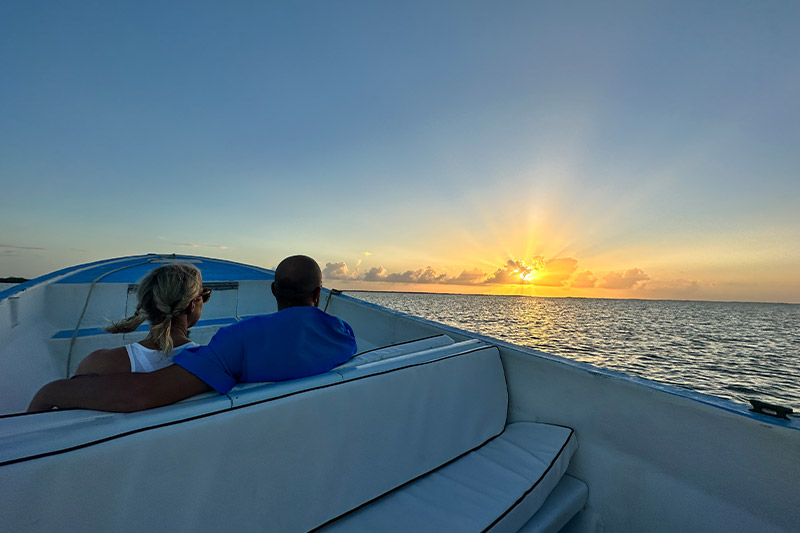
658,139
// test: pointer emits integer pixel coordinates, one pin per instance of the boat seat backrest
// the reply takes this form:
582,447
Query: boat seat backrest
23,436
332,447
327,450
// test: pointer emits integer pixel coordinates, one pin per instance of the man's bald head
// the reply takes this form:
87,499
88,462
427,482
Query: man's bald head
297,282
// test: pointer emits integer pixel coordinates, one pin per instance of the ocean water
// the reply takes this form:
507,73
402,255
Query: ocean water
738,351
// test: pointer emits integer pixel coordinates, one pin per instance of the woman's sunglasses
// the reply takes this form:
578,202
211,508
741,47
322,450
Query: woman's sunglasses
205,295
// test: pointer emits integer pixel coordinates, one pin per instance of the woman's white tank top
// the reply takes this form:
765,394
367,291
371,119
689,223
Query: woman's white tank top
147,360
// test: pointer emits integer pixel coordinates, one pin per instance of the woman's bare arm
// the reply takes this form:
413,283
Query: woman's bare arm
119,392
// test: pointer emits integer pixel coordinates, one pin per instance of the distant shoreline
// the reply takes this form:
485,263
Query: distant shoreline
567,297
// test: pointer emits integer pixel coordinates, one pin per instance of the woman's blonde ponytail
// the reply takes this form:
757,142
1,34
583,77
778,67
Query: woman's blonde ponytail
163,294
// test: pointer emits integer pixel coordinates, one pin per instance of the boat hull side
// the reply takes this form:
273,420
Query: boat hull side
655,457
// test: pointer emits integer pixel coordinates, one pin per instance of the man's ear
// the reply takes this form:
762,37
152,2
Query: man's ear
272,288
317,292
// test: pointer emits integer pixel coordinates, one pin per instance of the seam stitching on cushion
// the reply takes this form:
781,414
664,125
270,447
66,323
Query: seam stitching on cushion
527,492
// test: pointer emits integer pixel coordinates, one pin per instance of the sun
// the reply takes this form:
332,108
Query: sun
526,274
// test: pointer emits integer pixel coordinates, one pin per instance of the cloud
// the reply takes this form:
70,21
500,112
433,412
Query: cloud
13,247
628,280
338,271
512,272
584,280
365,254
11,250
671,288
536,271
200,245
375,274
423,275
555,272
467,277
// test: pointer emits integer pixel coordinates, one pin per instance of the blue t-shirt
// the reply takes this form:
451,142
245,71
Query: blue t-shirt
292,343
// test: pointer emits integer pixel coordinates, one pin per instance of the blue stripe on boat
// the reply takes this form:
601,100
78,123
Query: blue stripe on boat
135,268
89,332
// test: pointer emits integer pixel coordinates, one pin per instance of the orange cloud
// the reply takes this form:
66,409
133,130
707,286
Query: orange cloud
628,280
584,280
535,272
672,288
468,277
423,275
512,272
555,272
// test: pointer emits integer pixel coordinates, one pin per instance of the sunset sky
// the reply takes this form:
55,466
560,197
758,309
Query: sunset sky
603,149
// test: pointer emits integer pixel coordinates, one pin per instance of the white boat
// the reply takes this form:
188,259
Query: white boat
430,428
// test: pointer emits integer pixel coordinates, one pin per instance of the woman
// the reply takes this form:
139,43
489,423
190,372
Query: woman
171,298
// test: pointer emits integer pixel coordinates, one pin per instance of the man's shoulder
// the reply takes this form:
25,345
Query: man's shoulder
300,312
291,315
272,319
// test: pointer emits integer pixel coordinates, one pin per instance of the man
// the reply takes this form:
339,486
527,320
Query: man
297,341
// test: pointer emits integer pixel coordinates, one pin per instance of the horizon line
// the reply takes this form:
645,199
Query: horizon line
567,297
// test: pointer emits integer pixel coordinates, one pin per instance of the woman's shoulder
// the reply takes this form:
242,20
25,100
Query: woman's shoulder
105,361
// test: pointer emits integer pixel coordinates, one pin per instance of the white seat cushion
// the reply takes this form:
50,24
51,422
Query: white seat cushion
402,348
496,487
566,501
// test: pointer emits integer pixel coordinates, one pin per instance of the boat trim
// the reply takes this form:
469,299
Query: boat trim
58,275
61,273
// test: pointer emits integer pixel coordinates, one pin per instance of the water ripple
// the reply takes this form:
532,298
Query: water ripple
736,351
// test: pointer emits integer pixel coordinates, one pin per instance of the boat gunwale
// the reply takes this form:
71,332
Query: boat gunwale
56,276
706,399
